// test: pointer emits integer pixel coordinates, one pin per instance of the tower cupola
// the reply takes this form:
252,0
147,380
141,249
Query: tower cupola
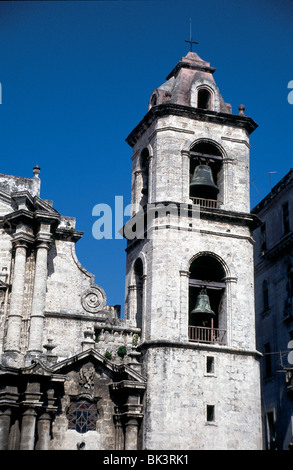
191,83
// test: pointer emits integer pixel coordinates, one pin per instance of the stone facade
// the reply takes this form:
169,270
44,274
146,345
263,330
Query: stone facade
274,311
74,374
65,353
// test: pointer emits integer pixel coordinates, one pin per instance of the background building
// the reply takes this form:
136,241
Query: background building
274,311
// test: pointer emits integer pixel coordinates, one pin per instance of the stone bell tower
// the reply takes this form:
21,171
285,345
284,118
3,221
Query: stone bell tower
189,280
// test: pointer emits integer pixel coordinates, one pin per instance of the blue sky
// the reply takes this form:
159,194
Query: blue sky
76,78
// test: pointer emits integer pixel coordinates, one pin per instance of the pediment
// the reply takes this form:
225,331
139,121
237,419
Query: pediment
41,204
116,372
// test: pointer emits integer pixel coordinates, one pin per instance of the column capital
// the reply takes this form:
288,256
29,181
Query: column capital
22,239
43,242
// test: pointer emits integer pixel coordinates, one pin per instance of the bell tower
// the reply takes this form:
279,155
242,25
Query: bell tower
189,278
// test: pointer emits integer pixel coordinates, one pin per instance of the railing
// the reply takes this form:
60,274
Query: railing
210,203
201,334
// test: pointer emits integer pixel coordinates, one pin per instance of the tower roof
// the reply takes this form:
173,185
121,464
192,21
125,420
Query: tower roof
182,82
191,61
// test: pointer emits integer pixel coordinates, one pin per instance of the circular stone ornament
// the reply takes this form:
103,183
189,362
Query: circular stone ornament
93,299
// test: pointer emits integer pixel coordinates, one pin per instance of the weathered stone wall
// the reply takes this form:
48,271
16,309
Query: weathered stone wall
232,388
169,141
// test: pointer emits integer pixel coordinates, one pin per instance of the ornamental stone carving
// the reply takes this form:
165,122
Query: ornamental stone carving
93,300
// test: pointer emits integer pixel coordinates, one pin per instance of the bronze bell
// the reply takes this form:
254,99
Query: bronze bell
202,310
202,184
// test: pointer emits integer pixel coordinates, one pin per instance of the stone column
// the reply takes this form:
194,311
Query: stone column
44,432
227,182
16,301
131,432
132,302
184,304
5,419
28,426
228,325
185,176
39,299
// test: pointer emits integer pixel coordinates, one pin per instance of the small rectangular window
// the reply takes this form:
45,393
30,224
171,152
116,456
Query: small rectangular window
210,369
210,413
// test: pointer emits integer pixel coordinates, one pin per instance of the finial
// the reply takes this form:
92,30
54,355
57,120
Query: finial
191,41
36,171
241,108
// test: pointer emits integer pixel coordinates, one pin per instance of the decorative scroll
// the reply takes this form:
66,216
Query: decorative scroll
93,300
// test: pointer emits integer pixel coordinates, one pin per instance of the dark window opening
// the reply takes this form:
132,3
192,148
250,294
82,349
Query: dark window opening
144,162
210,413
271,431
204,99
154,100
210,365
138,273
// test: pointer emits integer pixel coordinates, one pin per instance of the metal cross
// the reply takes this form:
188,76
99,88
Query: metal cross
191,41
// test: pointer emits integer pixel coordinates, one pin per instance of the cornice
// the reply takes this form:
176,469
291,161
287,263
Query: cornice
167,109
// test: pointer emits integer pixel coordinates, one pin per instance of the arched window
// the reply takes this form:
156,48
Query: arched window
206,294
144,163
154,100
82,416
205,174
138,275
204,99
265,295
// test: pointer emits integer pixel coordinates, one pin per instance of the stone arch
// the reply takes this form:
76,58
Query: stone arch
219,259
206,164
208,276
205,97
138,276
202,83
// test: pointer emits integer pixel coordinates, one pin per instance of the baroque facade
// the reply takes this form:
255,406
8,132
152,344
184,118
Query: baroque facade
69,364
274,311
181,370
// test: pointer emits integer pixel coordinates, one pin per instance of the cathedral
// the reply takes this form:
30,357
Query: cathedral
181,369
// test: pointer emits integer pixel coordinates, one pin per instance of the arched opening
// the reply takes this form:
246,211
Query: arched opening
144,164
153,100
204,99
205,174
138,279
206,300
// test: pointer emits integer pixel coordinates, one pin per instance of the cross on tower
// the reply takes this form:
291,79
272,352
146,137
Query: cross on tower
191,41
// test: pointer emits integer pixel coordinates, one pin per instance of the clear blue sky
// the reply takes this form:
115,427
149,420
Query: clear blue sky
77,76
